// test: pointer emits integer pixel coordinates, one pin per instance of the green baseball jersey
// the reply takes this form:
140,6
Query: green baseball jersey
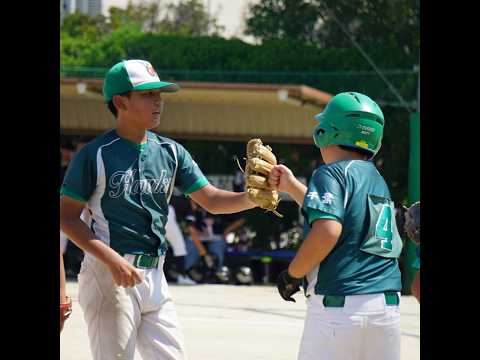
364,260
127,188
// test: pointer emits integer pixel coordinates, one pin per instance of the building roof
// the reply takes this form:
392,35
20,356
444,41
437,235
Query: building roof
207,110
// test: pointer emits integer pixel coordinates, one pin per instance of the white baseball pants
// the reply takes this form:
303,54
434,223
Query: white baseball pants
119,319
366,328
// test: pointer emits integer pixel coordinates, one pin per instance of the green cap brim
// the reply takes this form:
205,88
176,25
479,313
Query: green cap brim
163,85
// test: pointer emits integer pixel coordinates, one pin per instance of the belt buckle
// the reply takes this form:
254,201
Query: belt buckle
138,263
333,301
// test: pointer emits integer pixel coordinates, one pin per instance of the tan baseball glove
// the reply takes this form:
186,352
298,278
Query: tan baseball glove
412,222
260,161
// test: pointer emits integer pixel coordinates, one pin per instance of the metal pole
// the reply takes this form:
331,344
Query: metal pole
418,91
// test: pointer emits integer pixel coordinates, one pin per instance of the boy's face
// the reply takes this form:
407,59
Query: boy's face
144,108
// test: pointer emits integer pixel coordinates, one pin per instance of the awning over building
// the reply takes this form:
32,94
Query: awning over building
227,111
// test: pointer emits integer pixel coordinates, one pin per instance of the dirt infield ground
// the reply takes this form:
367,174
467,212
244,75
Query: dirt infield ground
235,323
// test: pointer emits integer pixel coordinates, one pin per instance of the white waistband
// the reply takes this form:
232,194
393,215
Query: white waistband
354,303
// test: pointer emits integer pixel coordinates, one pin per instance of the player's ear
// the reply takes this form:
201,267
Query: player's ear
119,102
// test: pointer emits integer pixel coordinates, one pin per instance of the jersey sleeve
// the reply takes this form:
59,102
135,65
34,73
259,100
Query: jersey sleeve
189,176
314,214
81,176
324,197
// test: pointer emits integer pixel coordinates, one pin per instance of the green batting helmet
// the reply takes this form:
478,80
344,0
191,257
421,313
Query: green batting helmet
350,119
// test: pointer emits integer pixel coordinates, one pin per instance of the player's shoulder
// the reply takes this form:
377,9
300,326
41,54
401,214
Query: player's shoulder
351,168
166,146
346,165
90,149
335,170
342,171
101,140
173,147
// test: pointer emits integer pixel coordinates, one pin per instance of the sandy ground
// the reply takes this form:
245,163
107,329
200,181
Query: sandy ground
235,323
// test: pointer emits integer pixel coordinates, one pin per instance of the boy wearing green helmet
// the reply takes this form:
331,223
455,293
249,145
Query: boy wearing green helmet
348,260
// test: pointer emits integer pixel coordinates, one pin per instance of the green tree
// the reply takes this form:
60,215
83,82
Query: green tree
79,25
189,17
372,23
145,16
283,19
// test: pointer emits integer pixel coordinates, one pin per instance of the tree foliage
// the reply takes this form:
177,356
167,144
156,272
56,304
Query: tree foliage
145,16
372,23
188,17
79,25
283,19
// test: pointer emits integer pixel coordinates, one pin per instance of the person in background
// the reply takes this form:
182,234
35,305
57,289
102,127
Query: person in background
207,230
412,229
175,238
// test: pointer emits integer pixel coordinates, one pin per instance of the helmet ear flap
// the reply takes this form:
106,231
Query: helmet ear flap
318,132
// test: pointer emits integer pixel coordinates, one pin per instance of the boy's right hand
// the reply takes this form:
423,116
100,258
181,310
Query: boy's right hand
281,178
124,274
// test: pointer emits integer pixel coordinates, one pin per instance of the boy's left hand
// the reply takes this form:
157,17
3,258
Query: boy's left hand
287,285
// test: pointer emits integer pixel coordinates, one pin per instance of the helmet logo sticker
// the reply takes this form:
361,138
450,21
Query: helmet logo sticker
366,130
361,144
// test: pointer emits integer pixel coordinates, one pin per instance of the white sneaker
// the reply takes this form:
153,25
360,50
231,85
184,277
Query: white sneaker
185,280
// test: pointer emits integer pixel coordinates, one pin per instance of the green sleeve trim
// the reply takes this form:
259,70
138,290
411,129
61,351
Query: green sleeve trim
314,214
196,185
69,193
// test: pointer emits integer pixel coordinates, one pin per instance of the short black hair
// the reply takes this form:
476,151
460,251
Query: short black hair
357,150
112,107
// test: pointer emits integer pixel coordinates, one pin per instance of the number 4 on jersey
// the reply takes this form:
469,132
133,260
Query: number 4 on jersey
383,228
382,237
